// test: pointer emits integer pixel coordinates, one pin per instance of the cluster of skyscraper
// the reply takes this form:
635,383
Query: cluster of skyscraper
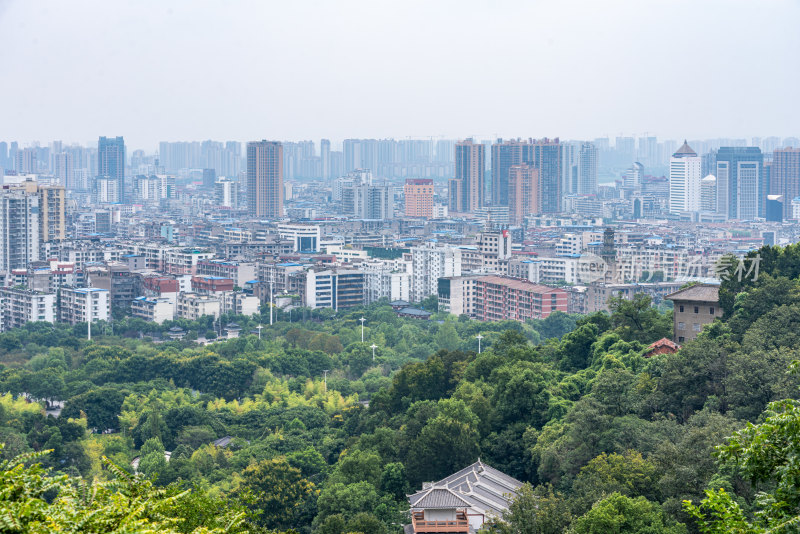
530,176
735,183
723,179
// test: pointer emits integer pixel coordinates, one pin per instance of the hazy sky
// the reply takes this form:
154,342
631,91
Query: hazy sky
192,70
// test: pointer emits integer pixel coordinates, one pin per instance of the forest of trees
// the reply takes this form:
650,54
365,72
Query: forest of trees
325,440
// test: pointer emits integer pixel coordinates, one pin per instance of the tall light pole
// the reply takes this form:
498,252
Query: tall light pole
479,337
373,347
271,285
325,378
362,328
259,327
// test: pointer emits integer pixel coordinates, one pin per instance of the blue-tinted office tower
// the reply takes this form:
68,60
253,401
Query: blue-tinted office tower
740,182
111,161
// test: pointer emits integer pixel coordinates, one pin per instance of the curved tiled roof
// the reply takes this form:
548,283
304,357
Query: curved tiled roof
485,489
440,497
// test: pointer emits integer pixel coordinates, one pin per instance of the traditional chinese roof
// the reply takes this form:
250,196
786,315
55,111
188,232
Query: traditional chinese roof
443,497
415,312
485,489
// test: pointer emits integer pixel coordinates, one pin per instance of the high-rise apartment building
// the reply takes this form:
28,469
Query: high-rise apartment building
52,210
325,158
569,167
625,148
265,179
740,182
633,176
504,156
587,169
63,169
466,189
373,202
106,190
684,180
111,162
523,192
547,158
445,150
209,178
4,160
708,163
418,193
226,192
708,194
25,161
19,229
647,152
785,177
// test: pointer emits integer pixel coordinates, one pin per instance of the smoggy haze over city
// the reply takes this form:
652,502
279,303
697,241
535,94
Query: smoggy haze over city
190,70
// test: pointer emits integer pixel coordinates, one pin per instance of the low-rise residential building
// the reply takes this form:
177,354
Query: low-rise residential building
239,272
83,305
123,284
495,250
525,269
184,261
278,277
211,284
154,309
304,237
239,303
20,306
334,288
598,294
429,263
192,306
346,253
499,298
456,295
383,280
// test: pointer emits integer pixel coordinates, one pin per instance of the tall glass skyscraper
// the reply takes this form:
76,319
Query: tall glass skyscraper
741,192
111,162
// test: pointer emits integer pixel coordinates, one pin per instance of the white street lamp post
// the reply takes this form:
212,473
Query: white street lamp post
270,303
362,328
259,327
479,337
373,347
325,378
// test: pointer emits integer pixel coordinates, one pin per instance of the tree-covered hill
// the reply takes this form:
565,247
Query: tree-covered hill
301,430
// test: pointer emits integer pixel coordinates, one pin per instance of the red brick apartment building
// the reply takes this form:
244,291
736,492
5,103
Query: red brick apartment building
497,298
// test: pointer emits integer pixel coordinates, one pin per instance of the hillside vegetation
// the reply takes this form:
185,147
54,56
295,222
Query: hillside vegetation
324,439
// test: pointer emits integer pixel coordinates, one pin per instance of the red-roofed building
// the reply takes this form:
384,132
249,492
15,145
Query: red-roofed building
662,346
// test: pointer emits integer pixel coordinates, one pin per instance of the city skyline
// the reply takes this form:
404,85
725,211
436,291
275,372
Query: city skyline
333,71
